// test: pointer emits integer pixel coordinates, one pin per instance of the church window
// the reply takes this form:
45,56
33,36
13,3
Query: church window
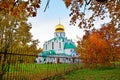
46,47
56,35
60,34
59,44
52,45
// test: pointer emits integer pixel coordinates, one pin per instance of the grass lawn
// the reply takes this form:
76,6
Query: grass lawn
85,74
37,71
41,71
92,74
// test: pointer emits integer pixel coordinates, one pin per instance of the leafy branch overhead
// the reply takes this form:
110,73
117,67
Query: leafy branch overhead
17,7
94,9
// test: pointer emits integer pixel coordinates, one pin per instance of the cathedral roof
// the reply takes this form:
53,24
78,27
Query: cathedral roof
69,46
58,38
46,53
59,28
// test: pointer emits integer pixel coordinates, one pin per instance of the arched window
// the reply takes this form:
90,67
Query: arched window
52,45
46,47
60,34
60,45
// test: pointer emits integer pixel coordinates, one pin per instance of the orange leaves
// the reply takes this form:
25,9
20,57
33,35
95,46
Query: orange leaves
80,1
37,6
20,9
103,9
96,40
67,3
33,14
5,4
100,47
14,13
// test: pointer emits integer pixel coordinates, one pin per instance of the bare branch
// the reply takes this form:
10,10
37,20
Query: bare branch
47,5
87,2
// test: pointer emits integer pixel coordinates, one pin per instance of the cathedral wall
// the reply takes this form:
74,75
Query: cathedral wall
44,47
56,45
60,46
69,51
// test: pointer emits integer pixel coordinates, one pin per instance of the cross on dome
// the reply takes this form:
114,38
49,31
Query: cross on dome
59,27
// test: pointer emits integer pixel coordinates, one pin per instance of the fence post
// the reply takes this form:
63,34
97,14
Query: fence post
3,65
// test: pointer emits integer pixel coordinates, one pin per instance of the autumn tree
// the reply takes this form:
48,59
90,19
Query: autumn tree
14,29
111,35
16,38
100,47
13,14
85,12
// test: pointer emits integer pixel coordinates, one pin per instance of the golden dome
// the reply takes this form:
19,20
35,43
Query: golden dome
59,28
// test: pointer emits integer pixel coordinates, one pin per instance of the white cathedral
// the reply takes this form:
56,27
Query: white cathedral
58,49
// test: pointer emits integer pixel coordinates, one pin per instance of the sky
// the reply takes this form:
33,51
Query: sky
43,25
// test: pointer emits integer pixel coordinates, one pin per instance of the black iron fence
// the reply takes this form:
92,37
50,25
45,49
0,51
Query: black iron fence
14,66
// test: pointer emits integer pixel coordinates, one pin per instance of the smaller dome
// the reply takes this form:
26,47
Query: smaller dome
59,28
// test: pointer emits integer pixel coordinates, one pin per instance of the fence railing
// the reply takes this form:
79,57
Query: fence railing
24,67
